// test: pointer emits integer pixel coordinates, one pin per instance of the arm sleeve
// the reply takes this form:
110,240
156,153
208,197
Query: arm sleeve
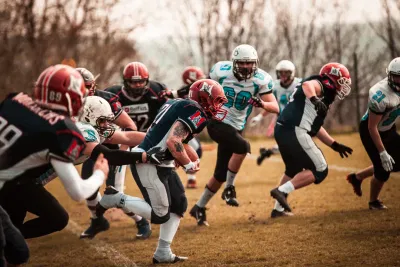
77,188
116,156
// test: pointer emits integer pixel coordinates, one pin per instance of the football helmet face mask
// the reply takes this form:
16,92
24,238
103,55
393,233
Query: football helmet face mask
393,73
245,62
89,80
136,79
210,96
192,74
97,112
285,71
340,76
60,87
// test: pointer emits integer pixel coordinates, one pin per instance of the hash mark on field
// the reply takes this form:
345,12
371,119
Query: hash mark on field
104,249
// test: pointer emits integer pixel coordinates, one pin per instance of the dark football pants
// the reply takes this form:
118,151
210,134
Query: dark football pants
33,198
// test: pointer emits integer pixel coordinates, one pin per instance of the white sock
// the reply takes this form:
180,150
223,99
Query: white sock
278,206
230,178
286,187
191,177
120,178
91,204
205,198
138,206
169,228
134,216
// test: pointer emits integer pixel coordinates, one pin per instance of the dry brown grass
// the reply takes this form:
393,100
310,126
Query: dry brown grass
332,226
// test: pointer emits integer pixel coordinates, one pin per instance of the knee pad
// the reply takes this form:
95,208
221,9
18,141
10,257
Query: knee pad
320,176
242,147
179,207
381,175
159,219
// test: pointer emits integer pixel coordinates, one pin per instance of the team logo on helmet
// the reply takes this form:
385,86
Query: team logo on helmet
335,71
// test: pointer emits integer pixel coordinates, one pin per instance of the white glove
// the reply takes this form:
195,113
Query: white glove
192,167
387,161
255,120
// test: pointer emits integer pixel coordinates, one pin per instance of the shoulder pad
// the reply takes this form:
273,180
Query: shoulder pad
263,78
88,132
221,69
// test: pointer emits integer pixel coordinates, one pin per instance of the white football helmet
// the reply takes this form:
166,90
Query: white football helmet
97,112
244,54
393,72
285,65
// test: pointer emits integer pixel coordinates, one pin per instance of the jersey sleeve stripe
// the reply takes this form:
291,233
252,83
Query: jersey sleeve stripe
265,93
186,124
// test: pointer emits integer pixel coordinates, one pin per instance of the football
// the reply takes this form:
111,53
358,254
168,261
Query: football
190,152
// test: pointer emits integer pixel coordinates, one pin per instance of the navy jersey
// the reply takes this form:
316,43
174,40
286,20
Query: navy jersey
184,110
301,112
144,109
112,99
31,135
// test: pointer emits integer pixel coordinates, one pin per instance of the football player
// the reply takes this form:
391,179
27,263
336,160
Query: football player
116,176
95,125
301,120
283,88
190,75
164,195
379,136
245,86
38,133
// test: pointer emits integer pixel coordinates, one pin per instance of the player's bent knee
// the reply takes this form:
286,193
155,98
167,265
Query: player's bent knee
59,221
159,219
381,175
180,207
320,175
242,147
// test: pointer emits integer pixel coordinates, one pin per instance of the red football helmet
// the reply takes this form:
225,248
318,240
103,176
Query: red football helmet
211,97
89,80
192,74
61,87
340,75
136,79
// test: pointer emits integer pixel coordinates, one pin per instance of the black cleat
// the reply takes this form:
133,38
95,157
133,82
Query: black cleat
264,153
174,259
229,195
281,198
275,214
352,179
144,229
200,215
376,205
97,225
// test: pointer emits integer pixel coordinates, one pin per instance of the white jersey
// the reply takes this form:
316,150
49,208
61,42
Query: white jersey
239,92
385,101
283,94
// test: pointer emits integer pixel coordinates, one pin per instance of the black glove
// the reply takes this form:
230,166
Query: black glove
320,107
341,149
256,102
155,155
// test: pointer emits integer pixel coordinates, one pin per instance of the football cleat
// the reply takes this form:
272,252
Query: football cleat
229,195
200,215
173,259
377,205
144,229
352,179
264,153
191,184
281,198
276,213
97,225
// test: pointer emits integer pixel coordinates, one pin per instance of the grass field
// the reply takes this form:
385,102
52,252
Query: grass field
331,226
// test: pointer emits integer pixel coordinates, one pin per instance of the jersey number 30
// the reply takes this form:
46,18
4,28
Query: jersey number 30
240,100
9,134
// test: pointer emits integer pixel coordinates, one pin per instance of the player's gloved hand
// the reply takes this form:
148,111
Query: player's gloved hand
341,149
155,156
256,102
102,165
192,167
165,93
255,120
320,106
183,92
387,161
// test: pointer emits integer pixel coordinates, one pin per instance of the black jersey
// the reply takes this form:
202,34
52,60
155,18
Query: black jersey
186,111
112,99
144,109
301,112
31,135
